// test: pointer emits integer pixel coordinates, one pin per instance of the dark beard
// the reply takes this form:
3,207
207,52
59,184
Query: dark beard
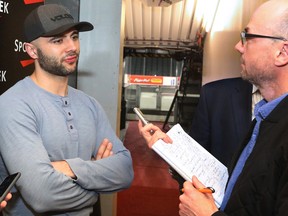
52,66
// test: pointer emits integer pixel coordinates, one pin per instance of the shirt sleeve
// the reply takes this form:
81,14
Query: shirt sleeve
22,150
110,174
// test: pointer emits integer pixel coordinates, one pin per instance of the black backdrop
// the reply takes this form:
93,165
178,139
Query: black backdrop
15,63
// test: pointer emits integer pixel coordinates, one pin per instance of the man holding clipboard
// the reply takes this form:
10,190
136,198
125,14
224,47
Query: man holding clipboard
258,182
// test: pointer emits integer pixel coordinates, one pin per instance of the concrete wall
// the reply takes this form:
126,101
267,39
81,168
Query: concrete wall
100,65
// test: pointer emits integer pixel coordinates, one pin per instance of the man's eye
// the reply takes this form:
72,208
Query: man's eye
75,37
57,41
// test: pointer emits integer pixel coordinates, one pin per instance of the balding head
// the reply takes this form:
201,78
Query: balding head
272,15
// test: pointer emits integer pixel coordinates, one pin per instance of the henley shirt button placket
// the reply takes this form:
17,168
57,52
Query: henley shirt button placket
67,110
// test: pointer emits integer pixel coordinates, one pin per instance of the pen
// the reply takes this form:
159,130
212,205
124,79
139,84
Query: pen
204,190
141,117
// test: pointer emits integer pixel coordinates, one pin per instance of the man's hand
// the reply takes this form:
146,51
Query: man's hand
63,167
4,202
104,151
193,202
156,134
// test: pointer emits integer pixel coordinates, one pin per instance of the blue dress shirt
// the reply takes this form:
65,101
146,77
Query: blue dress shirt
262,110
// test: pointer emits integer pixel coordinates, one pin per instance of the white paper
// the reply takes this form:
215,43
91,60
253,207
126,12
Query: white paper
189,158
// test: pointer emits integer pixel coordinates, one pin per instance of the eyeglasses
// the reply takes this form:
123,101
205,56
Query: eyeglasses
244,35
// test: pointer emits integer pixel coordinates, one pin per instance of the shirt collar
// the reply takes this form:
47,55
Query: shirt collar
264,108
254,89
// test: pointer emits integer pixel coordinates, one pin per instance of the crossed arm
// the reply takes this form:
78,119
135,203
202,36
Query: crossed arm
105,150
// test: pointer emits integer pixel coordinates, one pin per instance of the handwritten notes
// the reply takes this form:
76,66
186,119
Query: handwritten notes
189,158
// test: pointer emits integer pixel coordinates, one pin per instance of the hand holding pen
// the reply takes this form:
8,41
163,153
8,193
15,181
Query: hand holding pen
192,198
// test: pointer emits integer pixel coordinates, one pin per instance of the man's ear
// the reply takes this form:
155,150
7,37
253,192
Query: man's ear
31,50
282,56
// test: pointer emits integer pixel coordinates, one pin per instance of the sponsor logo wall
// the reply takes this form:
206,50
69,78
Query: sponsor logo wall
15,64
